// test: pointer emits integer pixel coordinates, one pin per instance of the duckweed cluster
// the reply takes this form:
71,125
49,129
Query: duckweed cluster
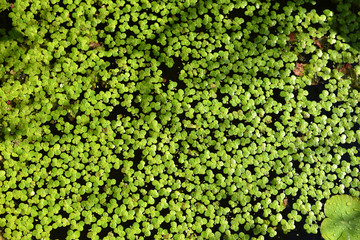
191,119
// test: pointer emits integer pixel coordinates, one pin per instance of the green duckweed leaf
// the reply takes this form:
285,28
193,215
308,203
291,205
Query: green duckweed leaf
343,218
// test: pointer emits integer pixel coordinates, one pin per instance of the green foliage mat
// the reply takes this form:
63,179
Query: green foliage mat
175,119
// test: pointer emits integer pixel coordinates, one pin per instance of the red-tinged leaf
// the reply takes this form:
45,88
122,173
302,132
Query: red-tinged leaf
344,69
316,83
298,71
94,44
348,66
8,102
317,42
292,37
340,69
285,202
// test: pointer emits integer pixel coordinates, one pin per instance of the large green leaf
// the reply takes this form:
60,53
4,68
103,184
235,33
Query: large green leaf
343,218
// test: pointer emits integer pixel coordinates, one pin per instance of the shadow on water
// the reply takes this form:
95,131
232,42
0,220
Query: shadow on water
7,31
345,21
5,20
